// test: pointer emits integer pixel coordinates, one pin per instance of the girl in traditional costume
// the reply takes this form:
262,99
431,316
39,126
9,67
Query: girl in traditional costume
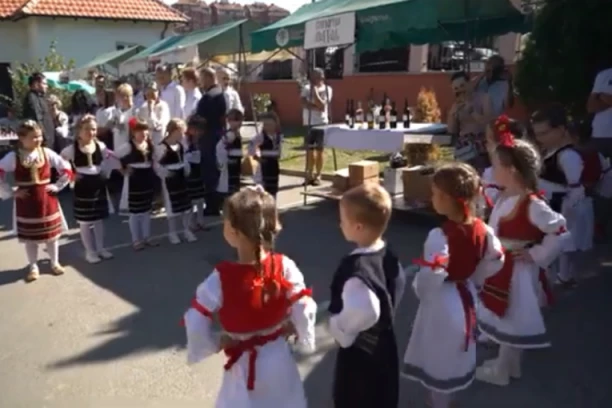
441,354
266,149
37,213
91,199
171,158
533,236
259,300
229,156
139,168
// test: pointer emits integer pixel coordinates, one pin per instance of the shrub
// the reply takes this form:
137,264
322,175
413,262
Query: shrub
427,109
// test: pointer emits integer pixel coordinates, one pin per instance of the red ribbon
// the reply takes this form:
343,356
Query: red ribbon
132,123
438,261
69,173
465,208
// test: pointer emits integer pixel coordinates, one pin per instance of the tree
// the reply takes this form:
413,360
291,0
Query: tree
570,42
52,62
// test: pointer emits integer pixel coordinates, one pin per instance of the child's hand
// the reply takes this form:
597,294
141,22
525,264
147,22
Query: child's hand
290,330
522,255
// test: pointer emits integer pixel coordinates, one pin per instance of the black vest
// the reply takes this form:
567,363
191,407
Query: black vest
551,170
270,143
234,144
81,159
171,156
136,156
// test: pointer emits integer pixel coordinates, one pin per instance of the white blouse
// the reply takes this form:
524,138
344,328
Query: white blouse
157,117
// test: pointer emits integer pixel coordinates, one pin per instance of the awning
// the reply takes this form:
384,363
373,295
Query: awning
113,58
139,61
217,40
396,23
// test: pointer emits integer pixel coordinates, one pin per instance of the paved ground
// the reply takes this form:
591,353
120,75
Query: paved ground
107,335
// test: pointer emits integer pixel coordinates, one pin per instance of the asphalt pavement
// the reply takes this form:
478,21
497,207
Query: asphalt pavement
108,335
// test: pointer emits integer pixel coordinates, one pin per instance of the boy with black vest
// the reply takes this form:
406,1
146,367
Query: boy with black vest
365,290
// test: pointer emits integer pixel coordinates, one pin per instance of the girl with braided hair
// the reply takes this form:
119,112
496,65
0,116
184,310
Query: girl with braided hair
260,300
533,236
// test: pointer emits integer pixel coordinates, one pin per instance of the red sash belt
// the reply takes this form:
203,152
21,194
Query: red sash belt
235,352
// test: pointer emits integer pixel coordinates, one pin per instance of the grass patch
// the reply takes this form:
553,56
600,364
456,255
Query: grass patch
294,156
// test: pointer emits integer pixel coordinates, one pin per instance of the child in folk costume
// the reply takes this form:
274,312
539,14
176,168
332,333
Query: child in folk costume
563,180
532,235
37,213
170,154
91,201
260,300
441,354
139,168
266,149
365,291
195,181
229,156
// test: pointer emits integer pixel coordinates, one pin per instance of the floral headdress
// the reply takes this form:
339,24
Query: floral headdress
502,130
132,123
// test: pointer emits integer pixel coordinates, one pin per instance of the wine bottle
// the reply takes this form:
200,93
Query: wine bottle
370,118
406,115
393,116
347,113
352,114
359,113
382,118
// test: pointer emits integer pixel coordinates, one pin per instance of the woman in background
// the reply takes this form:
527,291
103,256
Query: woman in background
155,113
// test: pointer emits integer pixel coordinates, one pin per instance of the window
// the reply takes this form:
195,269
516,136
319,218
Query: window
391,60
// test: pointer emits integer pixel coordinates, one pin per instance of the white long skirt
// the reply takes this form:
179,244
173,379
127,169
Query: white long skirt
581,224
436,355
277,380
523,325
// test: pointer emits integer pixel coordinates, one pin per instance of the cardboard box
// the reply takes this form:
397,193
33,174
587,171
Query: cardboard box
340,180
363,170
417,184
393,181
355,183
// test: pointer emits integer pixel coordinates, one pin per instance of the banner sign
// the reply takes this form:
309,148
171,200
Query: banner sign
330,31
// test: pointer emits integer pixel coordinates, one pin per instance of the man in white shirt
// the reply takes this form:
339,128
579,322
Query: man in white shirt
315,97
170,92
600,104
232,98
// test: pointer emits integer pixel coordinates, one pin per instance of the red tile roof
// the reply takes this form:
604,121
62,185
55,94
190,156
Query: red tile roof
147,10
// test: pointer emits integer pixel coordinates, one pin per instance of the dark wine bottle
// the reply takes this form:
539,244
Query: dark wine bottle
406,116
393,116
352,114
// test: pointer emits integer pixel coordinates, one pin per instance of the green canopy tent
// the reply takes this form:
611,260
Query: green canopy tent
139,62
109,62
395,23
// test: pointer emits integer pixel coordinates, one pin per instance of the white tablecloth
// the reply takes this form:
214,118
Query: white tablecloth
383,140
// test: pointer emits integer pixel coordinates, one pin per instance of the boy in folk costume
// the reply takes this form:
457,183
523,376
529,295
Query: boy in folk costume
171,158
365,291
563,181
260,300
91,200
38,215
195,181
229,156
139,168
266,149
441,354
533,235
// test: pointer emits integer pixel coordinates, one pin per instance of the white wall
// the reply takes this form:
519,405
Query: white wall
81,39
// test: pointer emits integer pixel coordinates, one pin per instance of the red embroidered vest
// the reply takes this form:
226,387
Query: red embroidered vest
243,310
32,176
467,245
515,226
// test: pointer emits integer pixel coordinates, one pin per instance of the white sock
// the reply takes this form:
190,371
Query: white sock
200,211
172,224
507,357
135,227
31,249
86,238
98,232
53,251
440,400
186,220
145,223
566,267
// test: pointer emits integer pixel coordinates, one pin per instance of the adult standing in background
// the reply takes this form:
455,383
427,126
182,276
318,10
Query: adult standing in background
232,98
170,92
496,84
190,82
36,108
316,97
211,108
599,104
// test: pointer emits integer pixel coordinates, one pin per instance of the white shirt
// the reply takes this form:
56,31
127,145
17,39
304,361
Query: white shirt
174,95
191,101
157,119
602,122
232,99
314,116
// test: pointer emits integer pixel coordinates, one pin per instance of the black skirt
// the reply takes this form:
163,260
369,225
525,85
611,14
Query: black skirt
368,378
234,174
195,183
90,198
176,186
141,190
270,170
